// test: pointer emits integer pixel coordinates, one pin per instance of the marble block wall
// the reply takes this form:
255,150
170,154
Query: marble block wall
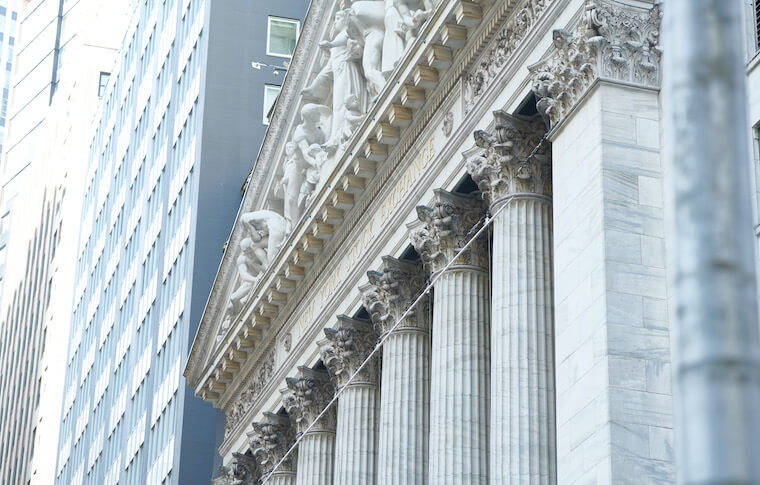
614,405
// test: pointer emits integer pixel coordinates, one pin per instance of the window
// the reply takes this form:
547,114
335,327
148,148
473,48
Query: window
282,35
104,77
270,96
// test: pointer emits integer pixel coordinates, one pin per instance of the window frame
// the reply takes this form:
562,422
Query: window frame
102,88
266,120
270,18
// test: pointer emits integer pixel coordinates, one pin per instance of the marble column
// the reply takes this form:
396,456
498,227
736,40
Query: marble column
522,444
459,393
347,345
405,395
306,396
269,441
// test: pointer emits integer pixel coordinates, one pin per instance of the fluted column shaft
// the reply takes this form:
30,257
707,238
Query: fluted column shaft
316,453
282,478
522,352
459,378
356,440
404,408
512,167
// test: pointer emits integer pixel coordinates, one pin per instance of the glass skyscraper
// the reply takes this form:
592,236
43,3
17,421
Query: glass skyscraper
173,144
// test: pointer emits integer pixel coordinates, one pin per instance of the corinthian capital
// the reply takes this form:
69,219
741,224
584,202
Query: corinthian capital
613,41
306,396
392,290
346,347
448,225
506,164
270,440
242,471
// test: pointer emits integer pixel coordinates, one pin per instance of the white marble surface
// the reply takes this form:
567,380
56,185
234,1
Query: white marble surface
282,478
356,435
459,397
614,405
522,441
316,458
405,408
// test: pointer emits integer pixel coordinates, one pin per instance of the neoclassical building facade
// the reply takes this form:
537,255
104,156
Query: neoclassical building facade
448,265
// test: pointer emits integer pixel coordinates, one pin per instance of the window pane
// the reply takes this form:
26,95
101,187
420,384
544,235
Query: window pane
270,95
282,37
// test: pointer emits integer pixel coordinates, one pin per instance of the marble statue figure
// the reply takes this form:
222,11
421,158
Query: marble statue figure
367,21
342,71
398,23
270,225
293,178
304,158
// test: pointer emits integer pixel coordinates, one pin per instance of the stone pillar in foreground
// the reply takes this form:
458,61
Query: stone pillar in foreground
405,396
717,348
459,396
306,396
522,445
347,345
269,441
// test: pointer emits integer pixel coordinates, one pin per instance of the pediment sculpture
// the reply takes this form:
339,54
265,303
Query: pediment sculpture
266,231
362,47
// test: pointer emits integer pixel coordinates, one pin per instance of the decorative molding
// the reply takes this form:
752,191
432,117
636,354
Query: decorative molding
505,163
613,42
448,225
392,290
346,347
270,440
306,396
506,42
248,396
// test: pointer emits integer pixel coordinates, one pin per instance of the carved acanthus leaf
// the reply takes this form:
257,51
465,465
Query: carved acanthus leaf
270,440
307,396
448,225
392,290
515,159
346,347
613,41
